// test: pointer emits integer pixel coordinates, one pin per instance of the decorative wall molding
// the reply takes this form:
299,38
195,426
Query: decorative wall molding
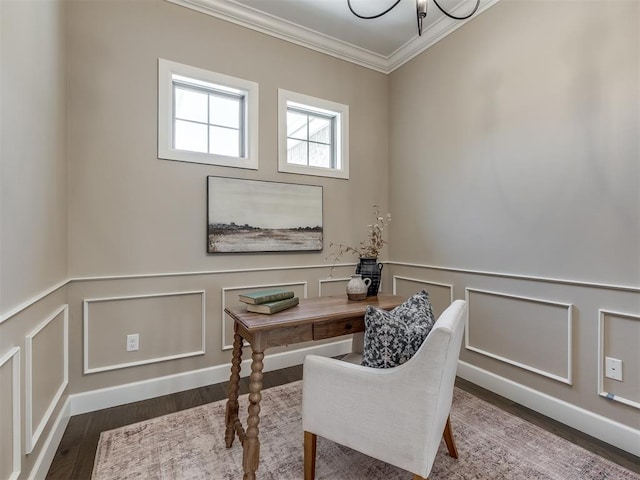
516,276
36,298
601,354
568,378
14,355
605,429
578,283
330,280
426,282
611,432
32,436
85,322
206,272
223,315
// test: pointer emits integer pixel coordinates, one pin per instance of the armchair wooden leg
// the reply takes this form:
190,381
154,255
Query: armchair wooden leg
448,439
418,477
310,440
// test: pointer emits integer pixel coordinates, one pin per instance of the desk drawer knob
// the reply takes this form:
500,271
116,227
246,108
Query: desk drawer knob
348,326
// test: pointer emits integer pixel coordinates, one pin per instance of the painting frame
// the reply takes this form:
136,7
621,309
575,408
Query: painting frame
260,216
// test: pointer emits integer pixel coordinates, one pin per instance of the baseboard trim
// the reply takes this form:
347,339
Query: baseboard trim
132,392
602,428
50,445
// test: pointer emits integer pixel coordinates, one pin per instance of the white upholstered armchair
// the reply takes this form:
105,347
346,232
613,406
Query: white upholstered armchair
397,415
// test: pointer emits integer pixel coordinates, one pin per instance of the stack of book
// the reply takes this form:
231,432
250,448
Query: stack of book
269,301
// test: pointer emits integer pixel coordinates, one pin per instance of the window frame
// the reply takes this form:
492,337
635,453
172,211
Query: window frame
320,107
222,83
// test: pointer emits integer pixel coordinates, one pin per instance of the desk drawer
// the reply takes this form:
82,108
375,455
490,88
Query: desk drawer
338,328
290,335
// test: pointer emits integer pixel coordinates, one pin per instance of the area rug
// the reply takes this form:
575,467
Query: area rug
189,445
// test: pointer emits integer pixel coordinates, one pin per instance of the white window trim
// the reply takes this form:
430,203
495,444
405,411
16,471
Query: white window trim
342,133
166,151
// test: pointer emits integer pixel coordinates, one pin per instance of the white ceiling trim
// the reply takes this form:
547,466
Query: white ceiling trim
248,17
265,23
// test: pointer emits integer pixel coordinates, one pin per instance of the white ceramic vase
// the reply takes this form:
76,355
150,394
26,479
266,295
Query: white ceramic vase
357,287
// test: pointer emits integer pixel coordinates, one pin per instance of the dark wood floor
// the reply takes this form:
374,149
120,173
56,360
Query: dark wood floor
75,455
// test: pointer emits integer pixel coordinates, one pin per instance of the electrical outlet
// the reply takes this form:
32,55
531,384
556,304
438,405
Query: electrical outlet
133,342
613,368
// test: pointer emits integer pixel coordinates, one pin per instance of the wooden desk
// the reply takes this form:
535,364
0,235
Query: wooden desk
313,319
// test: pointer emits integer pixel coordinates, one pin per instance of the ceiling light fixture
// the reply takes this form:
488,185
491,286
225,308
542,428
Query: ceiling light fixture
421,12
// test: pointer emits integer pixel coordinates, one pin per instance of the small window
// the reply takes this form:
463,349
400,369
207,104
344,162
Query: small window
206,117
313,137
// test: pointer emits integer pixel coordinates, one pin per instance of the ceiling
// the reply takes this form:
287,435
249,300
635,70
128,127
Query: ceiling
382,44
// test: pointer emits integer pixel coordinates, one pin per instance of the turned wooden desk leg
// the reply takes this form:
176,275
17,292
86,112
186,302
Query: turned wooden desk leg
231,415
251,445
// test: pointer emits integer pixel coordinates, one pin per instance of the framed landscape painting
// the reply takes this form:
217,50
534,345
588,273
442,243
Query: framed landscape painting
262,216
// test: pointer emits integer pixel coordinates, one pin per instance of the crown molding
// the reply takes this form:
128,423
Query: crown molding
276,27
248,17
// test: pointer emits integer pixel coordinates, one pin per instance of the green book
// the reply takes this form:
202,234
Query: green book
265,296
273,307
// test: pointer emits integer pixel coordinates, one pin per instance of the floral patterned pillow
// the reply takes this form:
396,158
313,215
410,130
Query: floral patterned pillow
393,337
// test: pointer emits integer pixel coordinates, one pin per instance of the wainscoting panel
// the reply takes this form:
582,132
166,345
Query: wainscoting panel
10,441
46,372
493,317
618,337
170,326
440,294
333,286
230,299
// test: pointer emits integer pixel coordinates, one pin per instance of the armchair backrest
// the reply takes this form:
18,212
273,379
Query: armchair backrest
433,372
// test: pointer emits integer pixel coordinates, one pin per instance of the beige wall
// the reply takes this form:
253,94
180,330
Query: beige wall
131,213
526,142
514,152
501,161
33,175
33,226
